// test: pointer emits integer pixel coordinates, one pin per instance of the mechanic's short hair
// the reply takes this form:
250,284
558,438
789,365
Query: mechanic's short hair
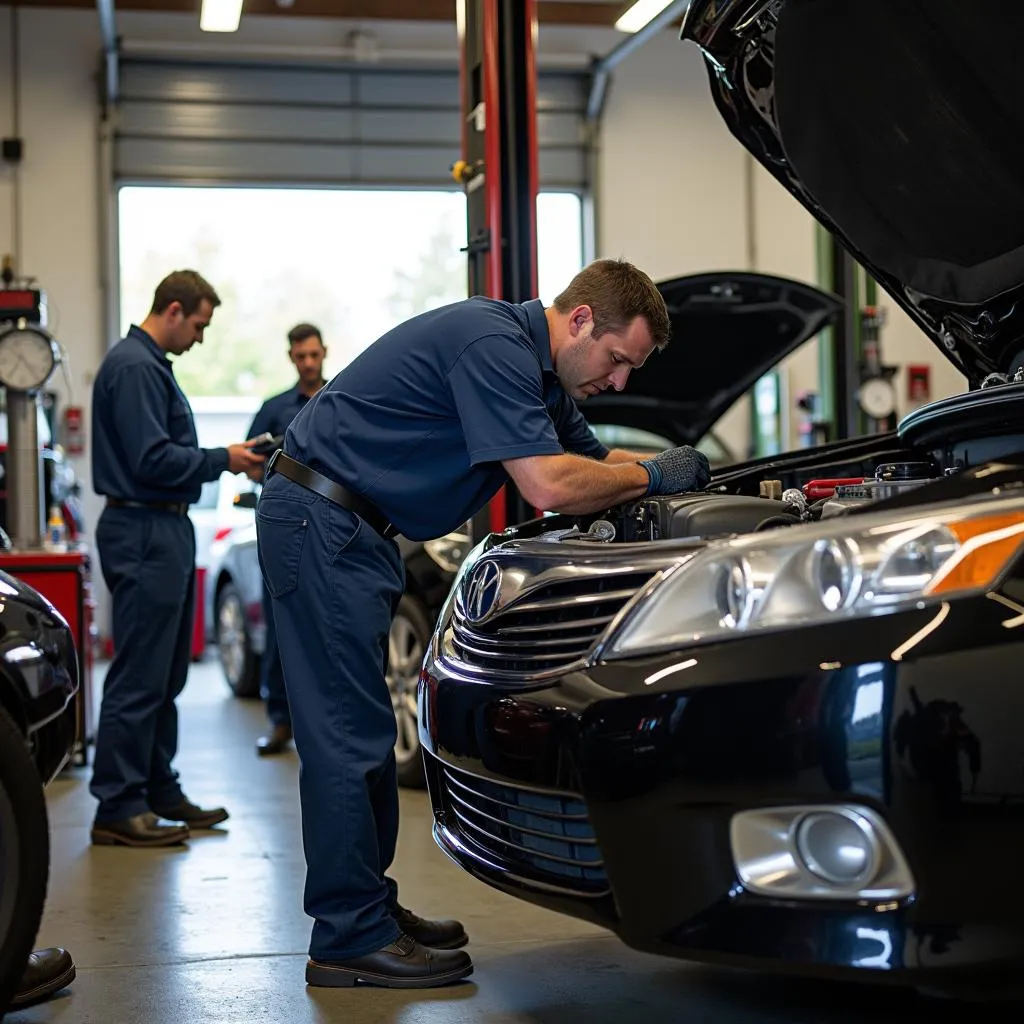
186,287
618,293
303,332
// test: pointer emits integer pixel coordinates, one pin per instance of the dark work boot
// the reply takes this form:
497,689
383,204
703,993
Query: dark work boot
192,815
276,742
140,830
403,964
48,971
435,934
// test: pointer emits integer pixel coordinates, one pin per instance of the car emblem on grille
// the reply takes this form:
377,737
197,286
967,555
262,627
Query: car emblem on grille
482,591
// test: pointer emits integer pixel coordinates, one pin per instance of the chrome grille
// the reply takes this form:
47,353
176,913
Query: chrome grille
548,629
540,836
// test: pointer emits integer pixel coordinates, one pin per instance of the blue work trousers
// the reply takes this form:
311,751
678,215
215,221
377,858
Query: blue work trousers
335,584
271,674
148,563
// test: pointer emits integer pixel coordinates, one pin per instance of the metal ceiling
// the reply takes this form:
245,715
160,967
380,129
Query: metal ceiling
583,13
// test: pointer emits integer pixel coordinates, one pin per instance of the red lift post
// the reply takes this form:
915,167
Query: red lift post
498,169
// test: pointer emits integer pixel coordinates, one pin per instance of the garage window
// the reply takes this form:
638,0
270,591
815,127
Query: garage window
353,261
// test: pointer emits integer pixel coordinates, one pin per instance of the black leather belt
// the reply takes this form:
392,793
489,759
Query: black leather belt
179,508
327,488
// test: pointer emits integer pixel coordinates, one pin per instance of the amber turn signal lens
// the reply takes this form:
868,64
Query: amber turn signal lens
987,543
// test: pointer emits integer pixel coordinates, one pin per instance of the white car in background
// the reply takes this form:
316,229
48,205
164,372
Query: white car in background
215,516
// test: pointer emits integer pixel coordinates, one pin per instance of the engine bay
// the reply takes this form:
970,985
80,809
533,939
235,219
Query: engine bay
705,515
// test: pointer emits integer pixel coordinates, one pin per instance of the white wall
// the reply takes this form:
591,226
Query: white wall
59,192
671,186
671,189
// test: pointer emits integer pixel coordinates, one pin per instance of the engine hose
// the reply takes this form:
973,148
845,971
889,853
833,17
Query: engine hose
780,520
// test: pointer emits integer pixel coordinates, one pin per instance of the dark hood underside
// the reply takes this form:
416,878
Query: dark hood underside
728,329
899,125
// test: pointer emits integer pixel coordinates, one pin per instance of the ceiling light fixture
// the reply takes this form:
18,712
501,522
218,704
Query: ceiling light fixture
642,12
220,15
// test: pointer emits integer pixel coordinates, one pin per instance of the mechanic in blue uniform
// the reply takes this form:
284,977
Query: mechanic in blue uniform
148,464
414,437
306,350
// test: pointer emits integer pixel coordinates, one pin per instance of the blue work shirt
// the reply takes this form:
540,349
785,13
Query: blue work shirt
420,422
276,413
145,446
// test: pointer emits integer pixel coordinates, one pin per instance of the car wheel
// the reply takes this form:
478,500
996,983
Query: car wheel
241,666
407,644
24,856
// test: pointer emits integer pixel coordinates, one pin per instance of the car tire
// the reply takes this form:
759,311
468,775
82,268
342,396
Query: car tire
24,856
234,645
408,642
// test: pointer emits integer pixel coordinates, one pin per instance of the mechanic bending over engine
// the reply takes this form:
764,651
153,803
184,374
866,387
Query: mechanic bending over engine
148,464
414,437
307,352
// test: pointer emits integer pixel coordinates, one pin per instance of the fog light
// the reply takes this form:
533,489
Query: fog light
819,852
838,847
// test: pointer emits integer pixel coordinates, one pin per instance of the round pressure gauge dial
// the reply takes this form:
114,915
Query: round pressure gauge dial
28,356
877,397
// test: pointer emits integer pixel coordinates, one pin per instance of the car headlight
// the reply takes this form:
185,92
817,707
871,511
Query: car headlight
450,550
804,576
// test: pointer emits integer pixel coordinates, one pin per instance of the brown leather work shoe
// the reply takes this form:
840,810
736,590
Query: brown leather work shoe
48,971
193,815
276,743
144,829
403,964
435,934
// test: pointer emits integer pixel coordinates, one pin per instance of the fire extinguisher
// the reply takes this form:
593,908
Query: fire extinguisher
74,430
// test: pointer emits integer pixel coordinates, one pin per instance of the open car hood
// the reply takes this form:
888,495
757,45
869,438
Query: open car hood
899,126
728,329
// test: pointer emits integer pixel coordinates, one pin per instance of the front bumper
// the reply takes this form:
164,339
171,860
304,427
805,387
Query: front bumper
609,798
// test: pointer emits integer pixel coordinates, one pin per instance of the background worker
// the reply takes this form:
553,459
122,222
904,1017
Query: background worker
148,464
307,352
414,436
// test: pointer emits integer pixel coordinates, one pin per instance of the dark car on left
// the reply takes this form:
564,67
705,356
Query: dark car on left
38,682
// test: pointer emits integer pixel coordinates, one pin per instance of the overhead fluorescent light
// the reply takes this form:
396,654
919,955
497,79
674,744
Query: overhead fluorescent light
638,15
220,15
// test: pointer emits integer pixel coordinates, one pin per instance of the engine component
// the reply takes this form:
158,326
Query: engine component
919,471
840,506
890,479
815,490
696,515
997,380
600,530
771,489
795,497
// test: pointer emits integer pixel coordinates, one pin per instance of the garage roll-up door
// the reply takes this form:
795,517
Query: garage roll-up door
224,123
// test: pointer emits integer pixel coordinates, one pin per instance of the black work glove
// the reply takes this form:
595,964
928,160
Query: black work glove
676,470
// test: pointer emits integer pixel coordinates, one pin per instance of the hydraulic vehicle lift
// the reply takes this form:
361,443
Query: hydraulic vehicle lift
498,169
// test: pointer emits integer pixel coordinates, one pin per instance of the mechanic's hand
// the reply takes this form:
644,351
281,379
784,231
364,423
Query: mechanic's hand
242,460
677,470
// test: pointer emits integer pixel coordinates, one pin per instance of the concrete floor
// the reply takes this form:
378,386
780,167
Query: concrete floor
215,932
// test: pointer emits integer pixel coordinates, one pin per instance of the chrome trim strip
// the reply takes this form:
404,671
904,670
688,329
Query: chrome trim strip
455,846
452,770
550,836
551,627
556,815
496,646
513,653
544,603
579,864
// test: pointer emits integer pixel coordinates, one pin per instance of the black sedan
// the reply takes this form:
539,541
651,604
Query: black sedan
38,682
775,724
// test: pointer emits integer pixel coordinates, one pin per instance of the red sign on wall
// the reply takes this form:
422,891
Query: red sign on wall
919,382
74,433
